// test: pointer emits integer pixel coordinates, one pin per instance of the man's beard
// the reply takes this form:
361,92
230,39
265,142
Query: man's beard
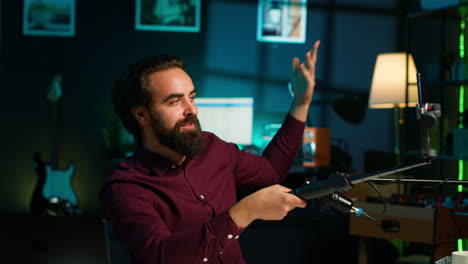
189,143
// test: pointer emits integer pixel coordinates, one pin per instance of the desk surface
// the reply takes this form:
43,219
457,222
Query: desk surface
439,227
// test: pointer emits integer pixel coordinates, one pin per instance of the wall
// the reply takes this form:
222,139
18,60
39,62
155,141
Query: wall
224,59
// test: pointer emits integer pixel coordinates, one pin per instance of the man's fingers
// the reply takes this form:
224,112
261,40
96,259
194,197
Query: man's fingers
313,52
310,63
311,56
302,204
297,202
282,188
310,59
295,64
304,70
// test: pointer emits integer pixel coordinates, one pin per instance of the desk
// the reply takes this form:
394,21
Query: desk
439,227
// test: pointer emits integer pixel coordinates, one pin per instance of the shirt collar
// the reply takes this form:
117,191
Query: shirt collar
155,162
151,160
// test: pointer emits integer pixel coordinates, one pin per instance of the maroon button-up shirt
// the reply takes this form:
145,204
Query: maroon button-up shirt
179,214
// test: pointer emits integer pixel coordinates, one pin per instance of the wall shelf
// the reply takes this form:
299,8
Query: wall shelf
439,156
449,12
444,83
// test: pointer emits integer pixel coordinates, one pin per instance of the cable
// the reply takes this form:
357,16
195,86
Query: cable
391,182
383,202
435,184
438,184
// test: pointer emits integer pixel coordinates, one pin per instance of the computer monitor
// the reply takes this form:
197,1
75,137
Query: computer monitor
231,119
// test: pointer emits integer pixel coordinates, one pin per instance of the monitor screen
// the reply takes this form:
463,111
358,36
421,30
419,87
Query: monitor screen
231,119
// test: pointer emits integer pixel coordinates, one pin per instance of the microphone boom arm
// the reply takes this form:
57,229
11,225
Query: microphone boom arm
340,182
378,174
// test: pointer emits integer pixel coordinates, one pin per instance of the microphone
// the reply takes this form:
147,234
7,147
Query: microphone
428,116
342,204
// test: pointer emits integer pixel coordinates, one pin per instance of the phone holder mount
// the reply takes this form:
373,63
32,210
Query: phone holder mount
428,114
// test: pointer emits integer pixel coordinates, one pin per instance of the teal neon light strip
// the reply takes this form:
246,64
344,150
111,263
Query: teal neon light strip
461,109
462,39
460,174
461,106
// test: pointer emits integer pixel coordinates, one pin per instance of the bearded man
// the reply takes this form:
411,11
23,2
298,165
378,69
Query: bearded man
174,201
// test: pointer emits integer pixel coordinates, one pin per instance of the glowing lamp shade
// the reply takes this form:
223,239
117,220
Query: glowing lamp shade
389,81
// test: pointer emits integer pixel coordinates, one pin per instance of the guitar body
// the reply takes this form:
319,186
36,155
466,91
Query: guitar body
53,194
58,184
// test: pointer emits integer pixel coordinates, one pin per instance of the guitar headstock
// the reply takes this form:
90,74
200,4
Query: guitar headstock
55,89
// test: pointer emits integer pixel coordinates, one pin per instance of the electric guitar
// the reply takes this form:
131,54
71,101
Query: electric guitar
54,194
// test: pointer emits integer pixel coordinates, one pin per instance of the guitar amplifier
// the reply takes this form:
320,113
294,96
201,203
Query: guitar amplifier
316,147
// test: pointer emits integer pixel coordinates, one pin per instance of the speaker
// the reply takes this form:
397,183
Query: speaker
316,147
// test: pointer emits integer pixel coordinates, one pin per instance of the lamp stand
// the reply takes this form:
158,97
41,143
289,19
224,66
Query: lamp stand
398,122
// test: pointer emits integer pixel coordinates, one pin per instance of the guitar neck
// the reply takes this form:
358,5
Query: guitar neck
57,137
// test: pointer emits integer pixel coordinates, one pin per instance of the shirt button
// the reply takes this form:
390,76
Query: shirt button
205,259
201,196
173,166
236,237
230,236
221,253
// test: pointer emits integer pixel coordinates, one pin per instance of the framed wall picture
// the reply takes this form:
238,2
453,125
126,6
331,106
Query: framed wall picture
49,18
282,21
168,15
